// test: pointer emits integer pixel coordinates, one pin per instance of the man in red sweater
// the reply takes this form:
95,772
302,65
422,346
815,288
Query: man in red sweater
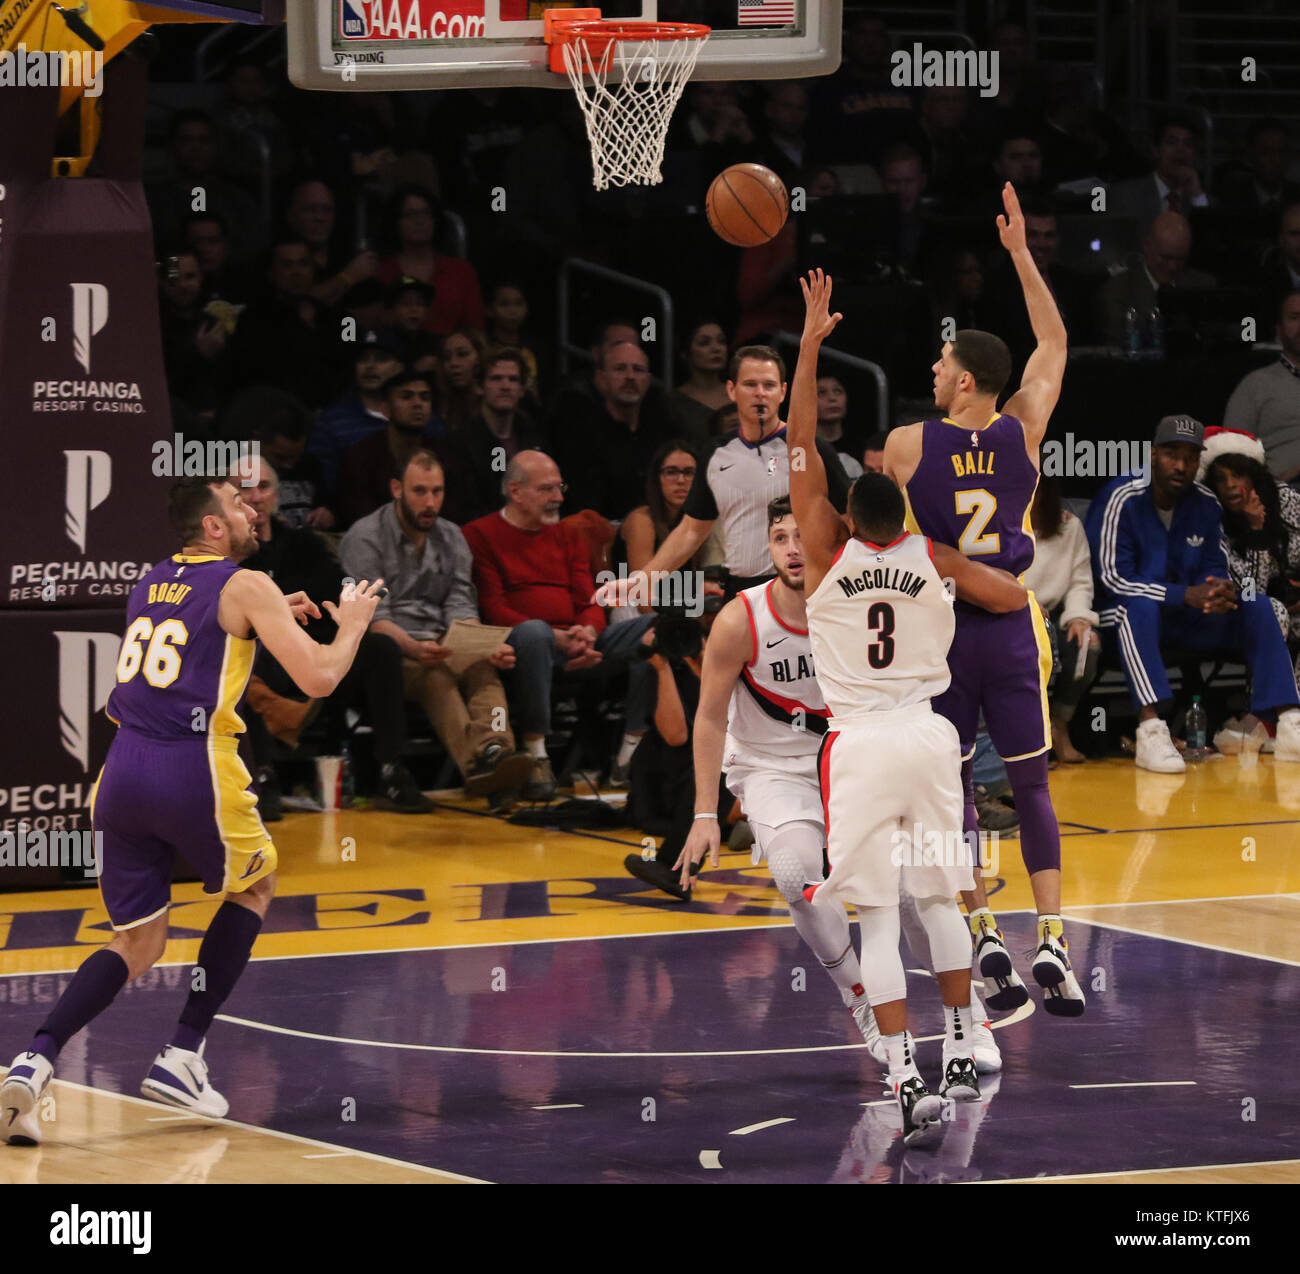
533,575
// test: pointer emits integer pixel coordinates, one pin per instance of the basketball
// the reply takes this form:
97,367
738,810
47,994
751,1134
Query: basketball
747,205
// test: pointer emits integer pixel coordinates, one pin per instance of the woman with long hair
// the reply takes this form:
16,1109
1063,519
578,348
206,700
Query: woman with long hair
460,376
1061,581
412,226
1261,524
704,356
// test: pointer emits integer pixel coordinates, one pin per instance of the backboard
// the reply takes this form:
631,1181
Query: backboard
434,44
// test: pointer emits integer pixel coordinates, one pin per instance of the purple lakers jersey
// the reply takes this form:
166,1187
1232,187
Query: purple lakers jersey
180,675
973,489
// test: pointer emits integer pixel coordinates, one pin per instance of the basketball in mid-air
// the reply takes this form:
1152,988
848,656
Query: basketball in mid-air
747,205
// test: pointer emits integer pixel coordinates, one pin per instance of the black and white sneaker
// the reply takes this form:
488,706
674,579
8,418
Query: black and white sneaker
1062,994
921,1111
960,1079
496,770
398,791
994,961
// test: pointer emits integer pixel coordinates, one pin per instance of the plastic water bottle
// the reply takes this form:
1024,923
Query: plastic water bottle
1195,728
1132,333
348,782
1157,321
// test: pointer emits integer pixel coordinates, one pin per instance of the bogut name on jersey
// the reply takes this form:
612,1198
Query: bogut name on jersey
881,577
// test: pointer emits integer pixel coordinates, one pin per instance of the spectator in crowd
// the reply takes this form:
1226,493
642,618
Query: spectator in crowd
1072,292
903,175
1020,80
477,453
282,426
1261,528
725,420
426,564
193,340
311,216
1018,159
1266,402
704,356
1161,580
299,560
712,120
1173,186
459,376
533,576
360,412
832,412
1258,183
246,120
285,338
506,317
1280,274
607,450
413,223
1061,582
767,299
409,302
368,466
1078,141
785,145
1148,282
206,234
960,293
873,453
858,110
949,148
192,153
672,471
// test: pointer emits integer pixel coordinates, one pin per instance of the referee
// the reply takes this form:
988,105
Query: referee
747,470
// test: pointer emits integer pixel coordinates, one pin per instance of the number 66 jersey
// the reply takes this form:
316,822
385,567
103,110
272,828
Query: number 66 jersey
881,623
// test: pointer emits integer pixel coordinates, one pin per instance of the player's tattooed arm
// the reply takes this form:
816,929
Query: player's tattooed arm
988,587
821,528
1040,385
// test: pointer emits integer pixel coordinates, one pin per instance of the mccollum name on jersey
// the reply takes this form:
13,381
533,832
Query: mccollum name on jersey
902,581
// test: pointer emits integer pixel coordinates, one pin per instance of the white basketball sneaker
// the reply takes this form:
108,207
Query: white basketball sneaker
180,1078
1155,749
20,1099
1287,744
866,1021
988,1056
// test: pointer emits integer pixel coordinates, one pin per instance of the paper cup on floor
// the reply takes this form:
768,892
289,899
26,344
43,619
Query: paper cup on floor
329,780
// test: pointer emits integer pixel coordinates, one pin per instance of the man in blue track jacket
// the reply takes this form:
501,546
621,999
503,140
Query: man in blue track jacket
1162,579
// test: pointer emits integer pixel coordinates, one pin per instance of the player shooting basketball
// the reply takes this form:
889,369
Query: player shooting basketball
969,479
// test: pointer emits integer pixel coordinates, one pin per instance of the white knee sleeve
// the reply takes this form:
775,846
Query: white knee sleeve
882,967
794,855
948,934
918,941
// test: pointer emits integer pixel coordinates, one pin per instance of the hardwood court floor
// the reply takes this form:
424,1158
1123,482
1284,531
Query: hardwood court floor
500,1003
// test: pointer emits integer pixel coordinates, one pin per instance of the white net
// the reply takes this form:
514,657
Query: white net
627,120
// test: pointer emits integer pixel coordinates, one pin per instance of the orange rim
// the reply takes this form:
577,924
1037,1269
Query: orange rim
599,34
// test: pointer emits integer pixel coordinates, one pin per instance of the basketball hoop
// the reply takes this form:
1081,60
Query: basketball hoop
649,63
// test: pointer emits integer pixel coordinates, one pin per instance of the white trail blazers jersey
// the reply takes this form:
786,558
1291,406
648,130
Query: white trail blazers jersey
777,707
881,623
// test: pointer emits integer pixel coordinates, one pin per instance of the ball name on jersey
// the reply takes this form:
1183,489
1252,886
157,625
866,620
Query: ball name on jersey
973,462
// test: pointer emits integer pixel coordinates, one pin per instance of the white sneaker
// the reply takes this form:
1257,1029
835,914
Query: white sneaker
180,1078
988,1056
1156,751
1248,736
20,1099
866,1021
1287,745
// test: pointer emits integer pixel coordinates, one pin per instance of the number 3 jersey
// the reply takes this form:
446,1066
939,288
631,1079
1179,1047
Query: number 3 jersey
973,489
180,675
776,709
881,623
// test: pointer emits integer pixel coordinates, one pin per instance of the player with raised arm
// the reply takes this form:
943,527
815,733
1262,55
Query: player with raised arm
969,478
173,783
881,620
761,718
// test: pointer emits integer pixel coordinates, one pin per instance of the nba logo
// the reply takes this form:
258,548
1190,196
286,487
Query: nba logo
353,22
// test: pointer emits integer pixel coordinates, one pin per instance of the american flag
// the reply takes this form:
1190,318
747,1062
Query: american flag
765,13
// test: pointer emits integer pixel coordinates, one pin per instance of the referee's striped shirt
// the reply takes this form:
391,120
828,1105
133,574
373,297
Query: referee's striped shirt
735,487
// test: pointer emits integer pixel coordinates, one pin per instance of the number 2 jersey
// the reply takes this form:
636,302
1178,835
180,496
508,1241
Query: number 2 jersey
973,489
881,623
180,675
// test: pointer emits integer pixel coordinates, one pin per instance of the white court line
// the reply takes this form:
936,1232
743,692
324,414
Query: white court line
1187,942
284,1136
334,1154
573,1105
1165,902
1018,1016
1128,1172
1144,1083
767,1123
171,1119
